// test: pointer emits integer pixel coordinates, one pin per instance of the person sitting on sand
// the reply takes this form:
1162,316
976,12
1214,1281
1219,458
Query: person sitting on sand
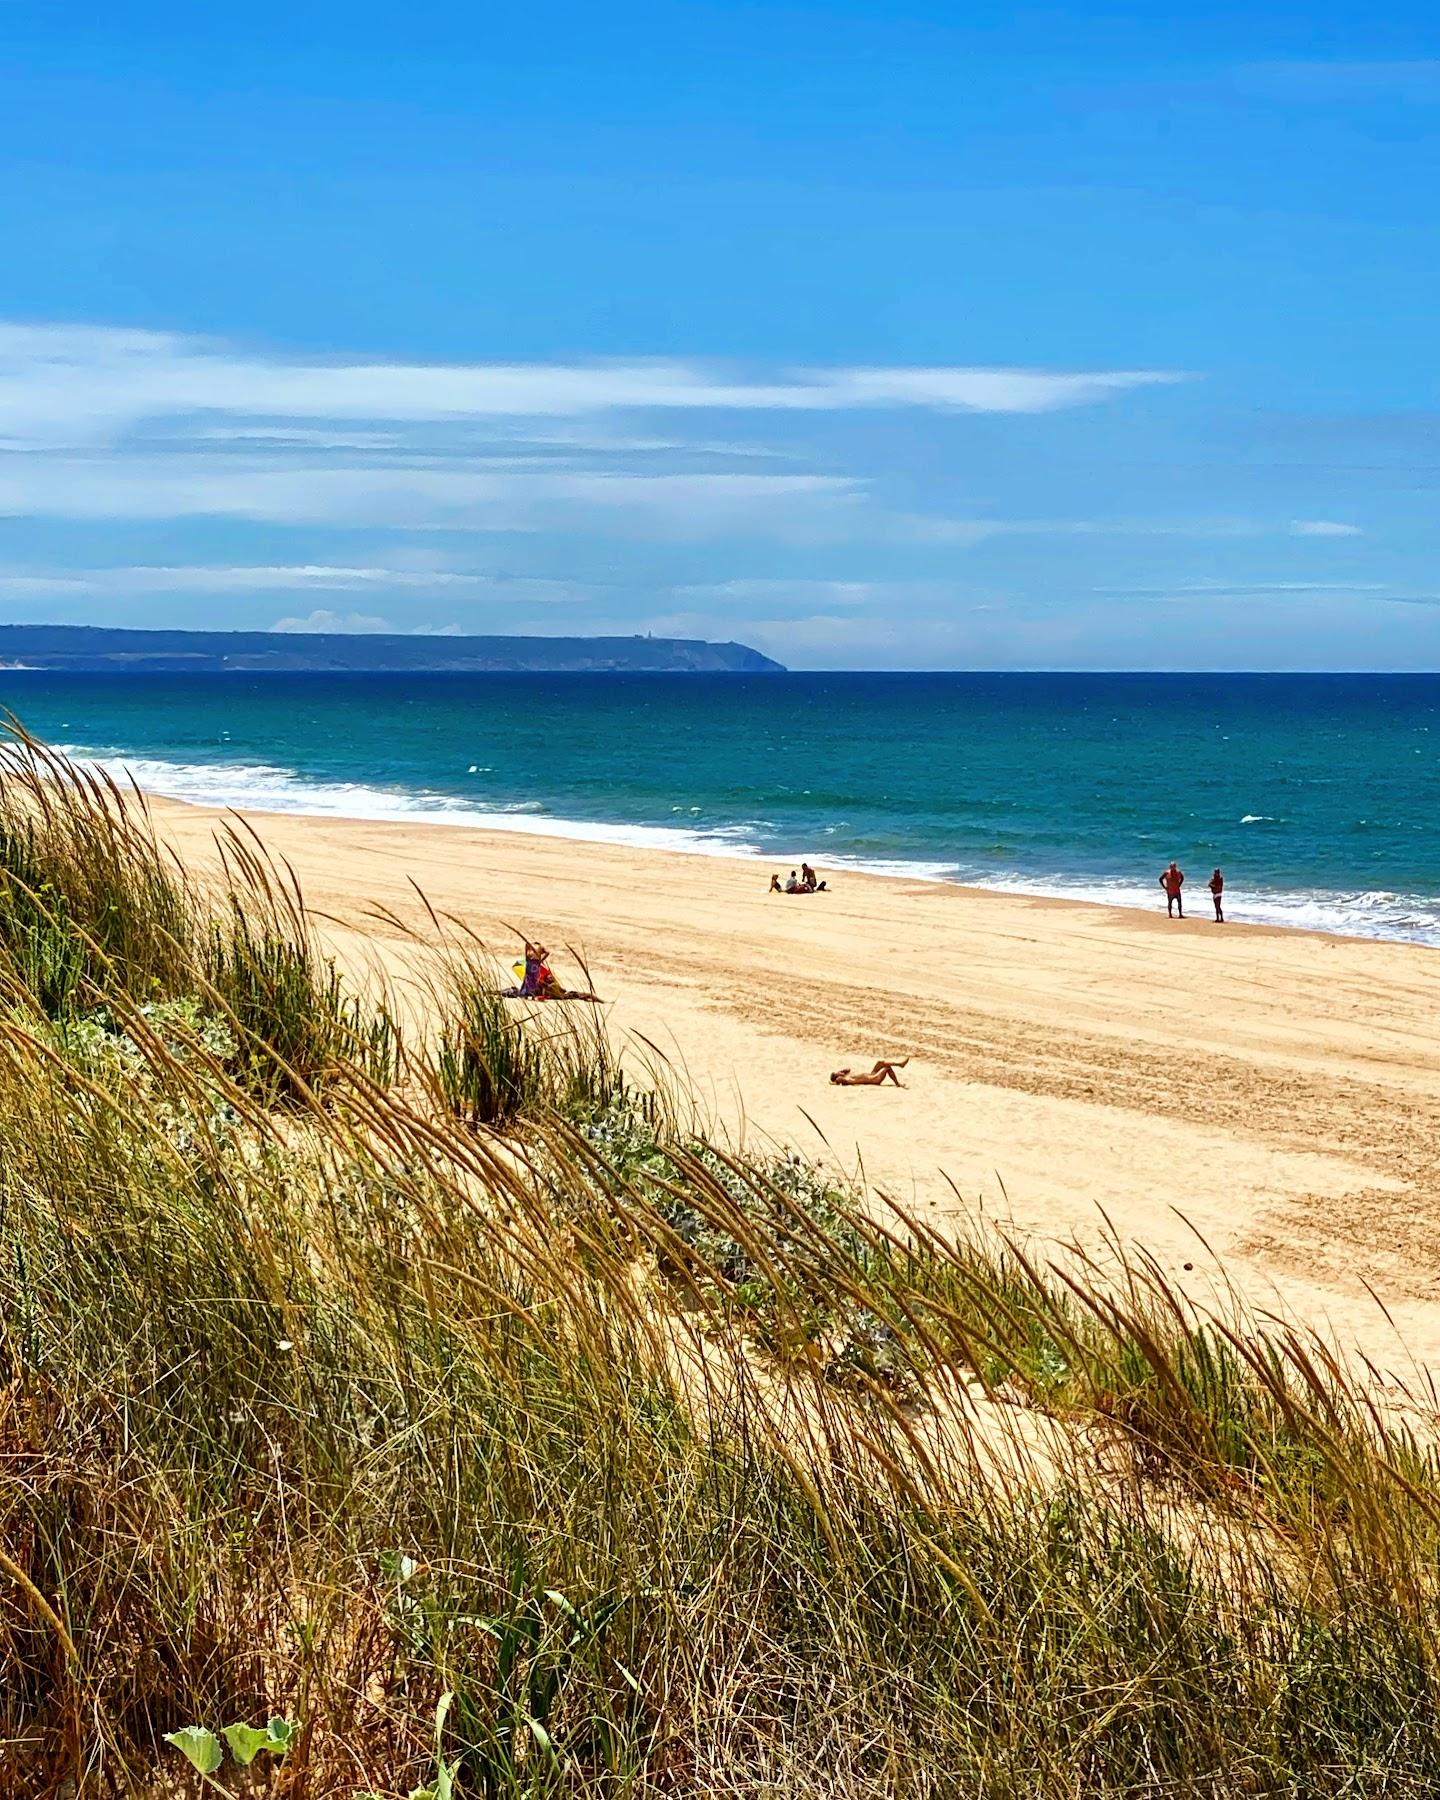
538,980
775,887
1172,880
1217,892
538,983
792,886
877,1077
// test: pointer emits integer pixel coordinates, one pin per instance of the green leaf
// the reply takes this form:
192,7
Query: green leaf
281,1732
245,1742
543,1738
444,1788
200,1747
556,1598
396,1566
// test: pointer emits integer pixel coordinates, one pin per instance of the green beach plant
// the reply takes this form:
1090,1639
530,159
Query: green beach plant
521,1439
203,1751
88,900
489,1067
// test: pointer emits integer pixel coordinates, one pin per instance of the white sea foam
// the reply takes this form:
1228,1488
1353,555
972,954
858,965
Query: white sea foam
1372,913
268,787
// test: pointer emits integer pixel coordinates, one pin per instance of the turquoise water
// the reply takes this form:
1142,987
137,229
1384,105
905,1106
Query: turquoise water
1319,795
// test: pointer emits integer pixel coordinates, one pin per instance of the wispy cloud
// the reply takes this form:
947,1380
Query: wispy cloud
776,592
298,578
1323,528
966,389
293,437
405,496
108,425
915,599
245,578
1221,589
84,384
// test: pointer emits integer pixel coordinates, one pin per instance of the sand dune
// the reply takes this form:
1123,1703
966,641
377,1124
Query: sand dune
1272,1095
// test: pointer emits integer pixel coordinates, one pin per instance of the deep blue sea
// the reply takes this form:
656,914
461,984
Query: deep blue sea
1319,795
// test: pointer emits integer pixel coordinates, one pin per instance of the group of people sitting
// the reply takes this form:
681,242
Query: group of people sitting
803,883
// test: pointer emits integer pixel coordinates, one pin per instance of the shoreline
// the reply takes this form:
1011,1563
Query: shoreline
759,863
1090,815
1257,1102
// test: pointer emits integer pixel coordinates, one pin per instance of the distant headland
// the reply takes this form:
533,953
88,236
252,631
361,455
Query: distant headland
93,648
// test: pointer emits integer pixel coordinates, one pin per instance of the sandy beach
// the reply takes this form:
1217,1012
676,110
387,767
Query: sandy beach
1242,1099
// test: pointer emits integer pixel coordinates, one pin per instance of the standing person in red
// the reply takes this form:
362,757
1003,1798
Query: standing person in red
1172,881
1217,893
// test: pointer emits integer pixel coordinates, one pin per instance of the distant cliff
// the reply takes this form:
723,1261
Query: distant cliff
98,647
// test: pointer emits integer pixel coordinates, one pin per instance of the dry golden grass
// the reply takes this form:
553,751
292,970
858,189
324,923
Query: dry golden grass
326,1393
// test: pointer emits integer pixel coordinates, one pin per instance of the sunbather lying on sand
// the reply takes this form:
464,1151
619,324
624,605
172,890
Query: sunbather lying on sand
876,1077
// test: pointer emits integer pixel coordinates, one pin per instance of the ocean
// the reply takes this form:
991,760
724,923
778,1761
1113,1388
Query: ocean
1319,795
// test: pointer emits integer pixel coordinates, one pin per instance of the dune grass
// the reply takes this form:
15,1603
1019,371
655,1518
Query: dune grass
350,1382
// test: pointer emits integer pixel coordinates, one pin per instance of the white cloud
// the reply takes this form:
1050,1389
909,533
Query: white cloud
202,578
1217,590
320,620
296,437
22,585
925,528
828,599
1323,528
360,624
409,571
87,384
928,528
783,592
974,390
406,495
98,423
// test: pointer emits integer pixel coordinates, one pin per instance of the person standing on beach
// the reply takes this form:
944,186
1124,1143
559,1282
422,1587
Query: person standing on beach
1172,881
1217,893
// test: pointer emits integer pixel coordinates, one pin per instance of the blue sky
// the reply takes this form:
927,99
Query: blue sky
910,336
